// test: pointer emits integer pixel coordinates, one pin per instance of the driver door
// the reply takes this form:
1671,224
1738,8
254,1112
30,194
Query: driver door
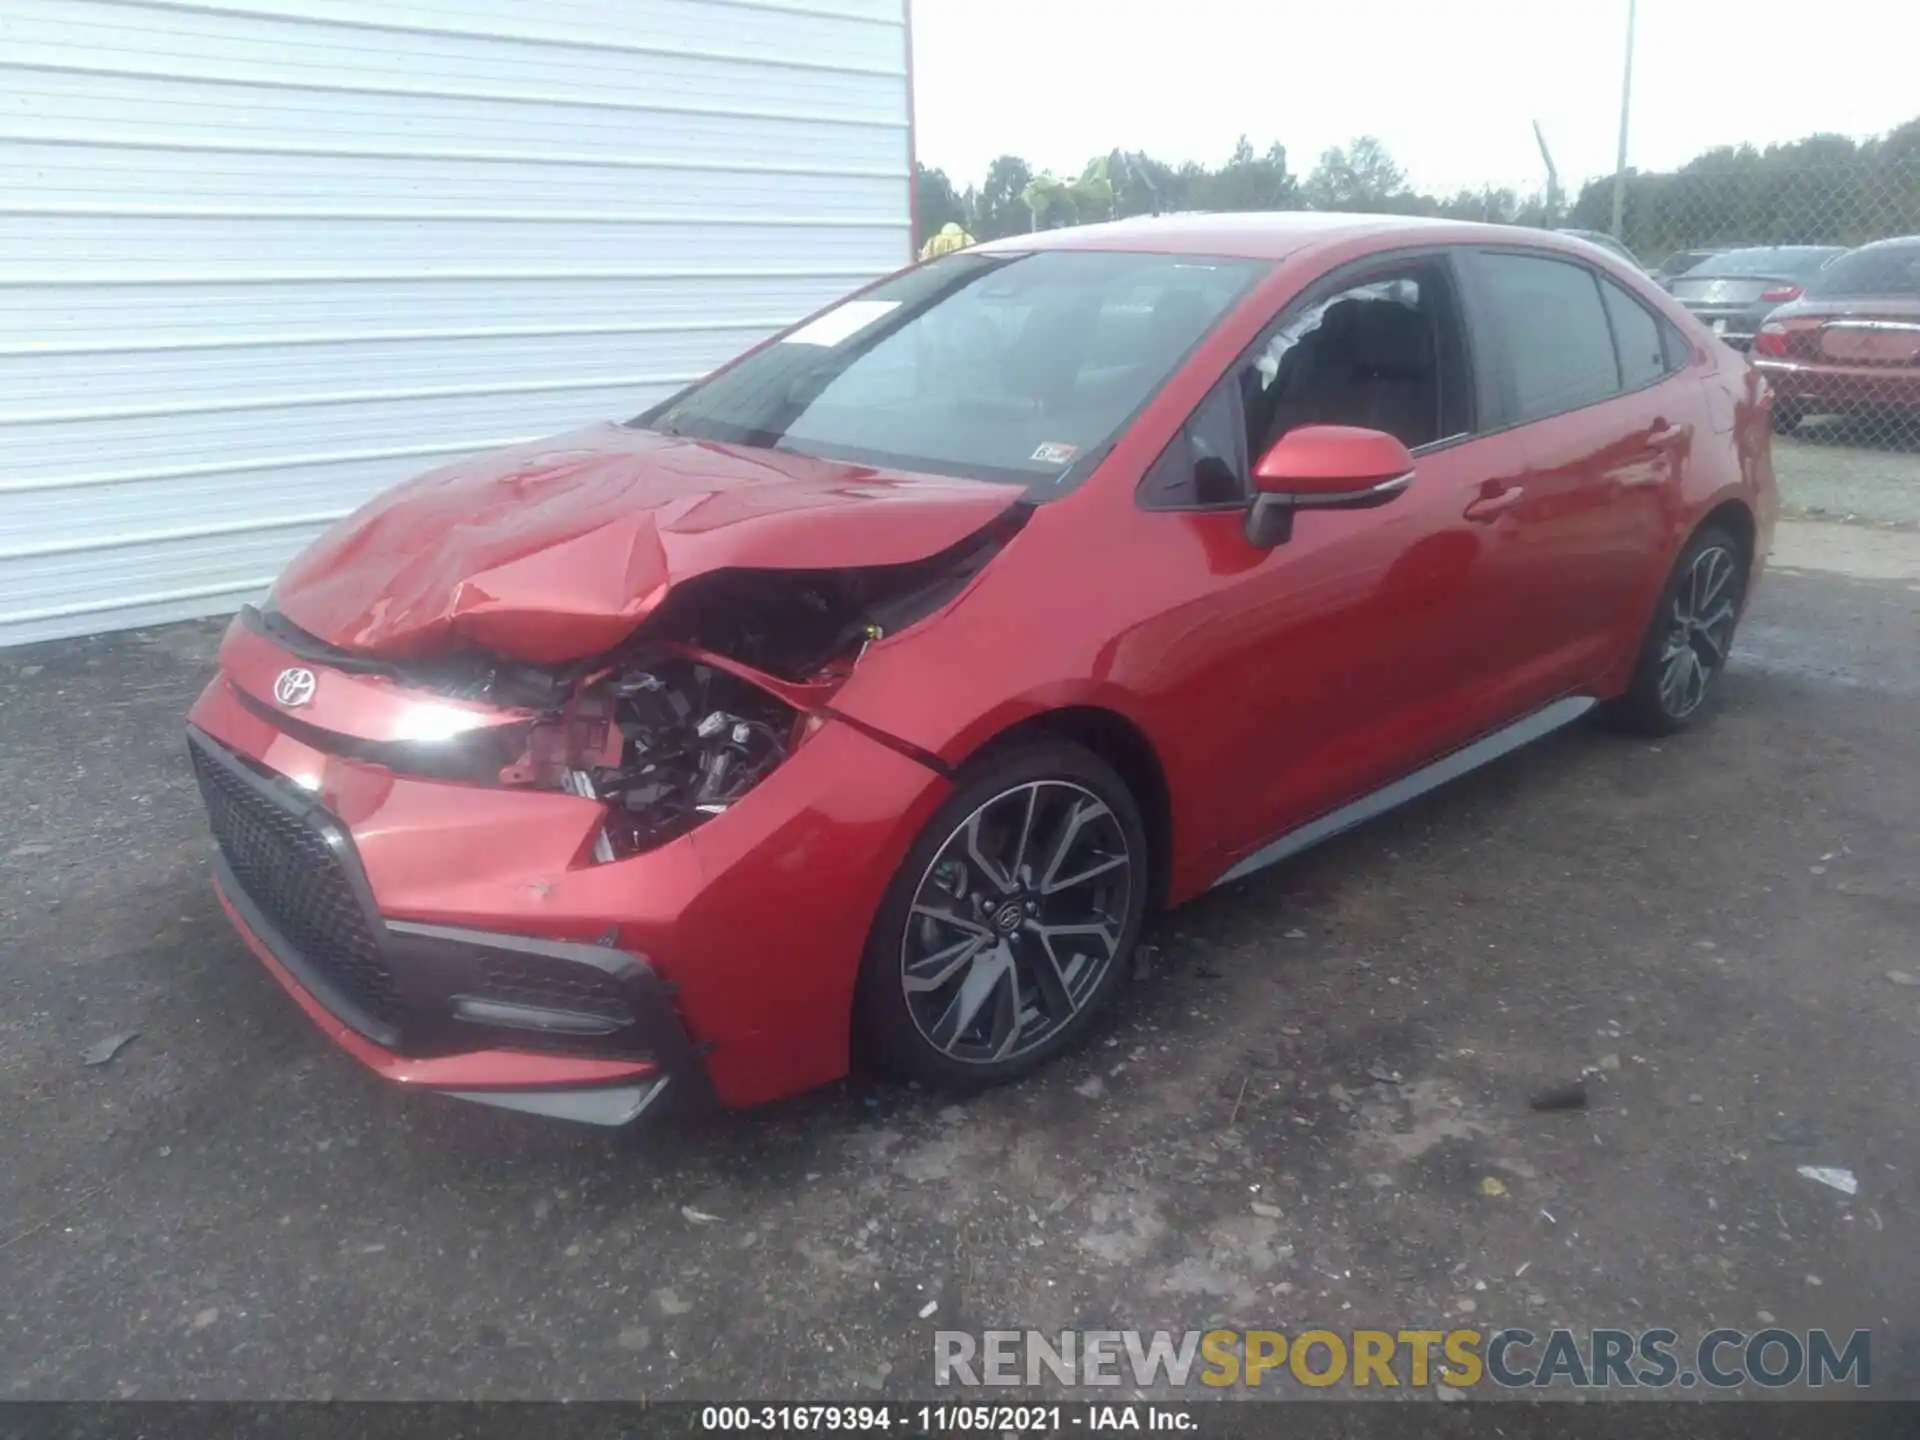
1369,642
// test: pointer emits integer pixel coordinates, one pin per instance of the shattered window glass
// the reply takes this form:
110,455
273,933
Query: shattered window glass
1380,355
1402,291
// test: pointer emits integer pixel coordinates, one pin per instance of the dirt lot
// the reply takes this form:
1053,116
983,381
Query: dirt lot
1291,1123
1862,469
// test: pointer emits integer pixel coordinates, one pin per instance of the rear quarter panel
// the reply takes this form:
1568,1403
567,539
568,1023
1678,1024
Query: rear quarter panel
1728,461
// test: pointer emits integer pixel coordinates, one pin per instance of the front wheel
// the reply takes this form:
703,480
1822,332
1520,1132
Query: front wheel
1685,647
1011,921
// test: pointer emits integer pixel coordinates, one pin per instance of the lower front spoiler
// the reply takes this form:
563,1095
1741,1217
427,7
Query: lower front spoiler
591,1089
609,1105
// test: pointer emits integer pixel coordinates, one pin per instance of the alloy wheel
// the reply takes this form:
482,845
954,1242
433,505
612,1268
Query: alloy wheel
1016,922
1699,630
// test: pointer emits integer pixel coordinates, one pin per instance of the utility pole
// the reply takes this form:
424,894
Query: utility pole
1626,105
1554,194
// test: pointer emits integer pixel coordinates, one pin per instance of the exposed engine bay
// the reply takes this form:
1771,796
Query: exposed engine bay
709,695
665,747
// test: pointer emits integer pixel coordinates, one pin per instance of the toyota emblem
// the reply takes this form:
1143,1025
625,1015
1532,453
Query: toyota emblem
294,688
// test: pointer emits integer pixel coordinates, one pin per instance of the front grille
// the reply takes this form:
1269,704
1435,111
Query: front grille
287,868
549,984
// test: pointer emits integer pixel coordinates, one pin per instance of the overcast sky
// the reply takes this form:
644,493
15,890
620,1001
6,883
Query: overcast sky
1451,88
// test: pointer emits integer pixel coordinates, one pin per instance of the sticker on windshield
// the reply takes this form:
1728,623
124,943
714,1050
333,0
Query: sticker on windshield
1052,452
841,322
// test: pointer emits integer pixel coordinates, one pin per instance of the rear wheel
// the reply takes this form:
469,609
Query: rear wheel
1787,416
1685,647
1011,922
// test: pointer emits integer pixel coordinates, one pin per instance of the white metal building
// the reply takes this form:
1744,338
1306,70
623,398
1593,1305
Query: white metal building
262,258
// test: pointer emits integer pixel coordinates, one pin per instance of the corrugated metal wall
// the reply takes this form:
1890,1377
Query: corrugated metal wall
260,259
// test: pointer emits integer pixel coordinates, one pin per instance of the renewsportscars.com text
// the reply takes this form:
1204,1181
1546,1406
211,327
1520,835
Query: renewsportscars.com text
1512,1358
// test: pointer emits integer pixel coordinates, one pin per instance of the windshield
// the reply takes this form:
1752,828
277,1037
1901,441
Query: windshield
1780,262
999,367
1876,270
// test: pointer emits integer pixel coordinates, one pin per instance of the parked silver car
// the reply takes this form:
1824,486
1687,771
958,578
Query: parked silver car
1734,291
1682,261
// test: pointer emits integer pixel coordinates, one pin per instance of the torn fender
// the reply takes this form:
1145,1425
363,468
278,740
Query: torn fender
557,550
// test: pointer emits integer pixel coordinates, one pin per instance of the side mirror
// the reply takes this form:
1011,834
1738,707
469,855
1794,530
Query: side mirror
1323,467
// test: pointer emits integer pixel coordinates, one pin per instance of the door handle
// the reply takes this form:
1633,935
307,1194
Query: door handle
1669,437
1490,507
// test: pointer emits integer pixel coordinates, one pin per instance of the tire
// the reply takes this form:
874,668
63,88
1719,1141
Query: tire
968,978
1787,416
1698,611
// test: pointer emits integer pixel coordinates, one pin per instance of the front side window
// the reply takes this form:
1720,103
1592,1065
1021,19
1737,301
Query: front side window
1384,352
1548,317
1205,467
999,367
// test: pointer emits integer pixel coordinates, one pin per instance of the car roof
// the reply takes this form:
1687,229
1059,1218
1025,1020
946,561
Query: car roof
1274,235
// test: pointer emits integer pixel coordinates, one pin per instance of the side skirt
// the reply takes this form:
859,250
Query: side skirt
1408,787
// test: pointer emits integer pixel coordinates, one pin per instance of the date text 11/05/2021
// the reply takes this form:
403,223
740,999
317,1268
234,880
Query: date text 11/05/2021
914,1418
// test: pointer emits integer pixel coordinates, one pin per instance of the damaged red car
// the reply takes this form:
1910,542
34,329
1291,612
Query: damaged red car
864,696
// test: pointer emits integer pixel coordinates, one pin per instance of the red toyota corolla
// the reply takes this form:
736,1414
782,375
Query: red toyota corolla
869,692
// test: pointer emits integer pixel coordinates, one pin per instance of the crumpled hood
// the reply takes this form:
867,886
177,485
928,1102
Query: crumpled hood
556,550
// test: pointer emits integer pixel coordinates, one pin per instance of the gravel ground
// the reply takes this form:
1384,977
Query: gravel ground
1861,469
1292,1122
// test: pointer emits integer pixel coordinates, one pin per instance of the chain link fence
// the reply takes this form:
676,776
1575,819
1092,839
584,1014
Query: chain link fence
1815,271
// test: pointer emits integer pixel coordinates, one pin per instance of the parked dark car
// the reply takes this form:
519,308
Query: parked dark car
1852,342
1680,262
1737,289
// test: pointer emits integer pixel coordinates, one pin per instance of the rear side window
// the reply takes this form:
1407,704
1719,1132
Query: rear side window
1636,335
1550,324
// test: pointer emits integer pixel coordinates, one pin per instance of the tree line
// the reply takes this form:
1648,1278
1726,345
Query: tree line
1823,189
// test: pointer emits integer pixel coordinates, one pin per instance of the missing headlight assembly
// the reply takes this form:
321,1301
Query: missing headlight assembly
664,746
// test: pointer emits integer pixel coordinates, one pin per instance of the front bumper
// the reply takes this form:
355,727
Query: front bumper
734,948
584,1032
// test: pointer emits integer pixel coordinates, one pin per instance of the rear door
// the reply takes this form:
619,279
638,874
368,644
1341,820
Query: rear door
1585,379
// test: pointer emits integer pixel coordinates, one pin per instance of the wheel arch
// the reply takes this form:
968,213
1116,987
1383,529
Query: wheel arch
1737,518
1106,733
1123,745
1732,512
